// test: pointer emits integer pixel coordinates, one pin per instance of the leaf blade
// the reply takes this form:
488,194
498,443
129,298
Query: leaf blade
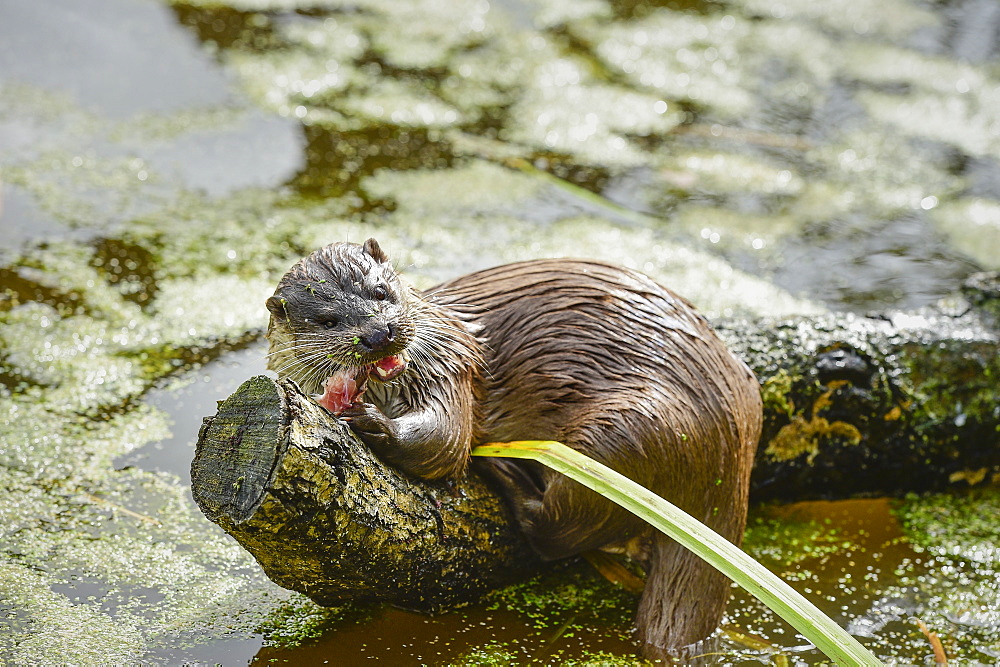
729,559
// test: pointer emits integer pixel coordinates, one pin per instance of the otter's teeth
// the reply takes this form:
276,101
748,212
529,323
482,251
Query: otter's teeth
382,372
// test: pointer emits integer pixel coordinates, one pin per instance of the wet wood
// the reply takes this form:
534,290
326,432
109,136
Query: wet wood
326,518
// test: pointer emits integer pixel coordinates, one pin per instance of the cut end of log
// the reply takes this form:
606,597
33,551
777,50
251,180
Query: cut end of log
238,451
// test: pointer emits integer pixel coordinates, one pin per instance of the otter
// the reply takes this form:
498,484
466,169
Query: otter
596,356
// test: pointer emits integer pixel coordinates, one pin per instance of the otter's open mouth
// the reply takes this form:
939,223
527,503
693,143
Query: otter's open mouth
388,368
345,387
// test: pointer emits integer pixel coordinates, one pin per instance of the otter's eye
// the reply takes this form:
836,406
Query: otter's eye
330,324
380,293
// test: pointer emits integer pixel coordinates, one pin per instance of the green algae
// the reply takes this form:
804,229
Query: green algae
711,283
492,655
895,19
334,38
959,594
64,354
498,655
77,518
146,129
552,14
422,34
715,171
845,556
55,624
957,121
850,557
721,230
120,532
421,191
876,173
279,82
786,543
402,104
965,395
94,174
944,100
46,118
320,75
253,233
569,601
576,592
485,81
961,525
883,65
84,354
717,62
972,225
415,35
567,112
85,190
298,621
685,57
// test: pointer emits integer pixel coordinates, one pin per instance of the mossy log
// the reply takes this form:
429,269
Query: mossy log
326,518
881,405
853,406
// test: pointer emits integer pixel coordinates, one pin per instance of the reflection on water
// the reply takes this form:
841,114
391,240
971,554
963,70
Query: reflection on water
115,56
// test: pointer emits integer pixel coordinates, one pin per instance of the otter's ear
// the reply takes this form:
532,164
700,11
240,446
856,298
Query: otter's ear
372,248
276,305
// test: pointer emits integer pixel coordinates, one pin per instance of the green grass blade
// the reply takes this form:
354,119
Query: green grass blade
781,598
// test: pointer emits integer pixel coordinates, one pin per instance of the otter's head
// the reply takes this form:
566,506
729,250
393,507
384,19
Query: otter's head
342,308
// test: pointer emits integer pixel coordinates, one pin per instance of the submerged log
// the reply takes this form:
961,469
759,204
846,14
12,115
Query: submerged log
853,406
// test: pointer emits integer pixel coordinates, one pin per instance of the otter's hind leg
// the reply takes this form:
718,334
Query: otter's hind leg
570,518
521,482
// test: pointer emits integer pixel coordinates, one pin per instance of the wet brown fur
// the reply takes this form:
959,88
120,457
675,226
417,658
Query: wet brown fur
608,362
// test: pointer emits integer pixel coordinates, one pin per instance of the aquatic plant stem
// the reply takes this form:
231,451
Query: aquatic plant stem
781,598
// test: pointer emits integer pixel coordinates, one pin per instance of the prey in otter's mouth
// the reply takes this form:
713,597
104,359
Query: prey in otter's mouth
346,386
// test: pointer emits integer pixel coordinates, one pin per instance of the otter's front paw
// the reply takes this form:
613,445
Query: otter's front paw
369,424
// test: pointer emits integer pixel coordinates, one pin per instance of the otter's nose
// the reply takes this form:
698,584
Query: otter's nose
378,338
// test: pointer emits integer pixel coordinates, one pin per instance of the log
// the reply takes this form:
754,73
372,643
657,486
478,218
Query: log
323,516
854,405
877,406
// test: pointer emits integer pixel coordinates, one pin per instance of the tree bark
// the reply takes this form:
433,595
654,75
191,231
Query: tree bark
853,406
323,516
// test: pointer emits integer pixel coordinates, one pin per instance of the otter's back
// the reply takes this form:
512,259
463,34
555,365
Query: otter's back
576,345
